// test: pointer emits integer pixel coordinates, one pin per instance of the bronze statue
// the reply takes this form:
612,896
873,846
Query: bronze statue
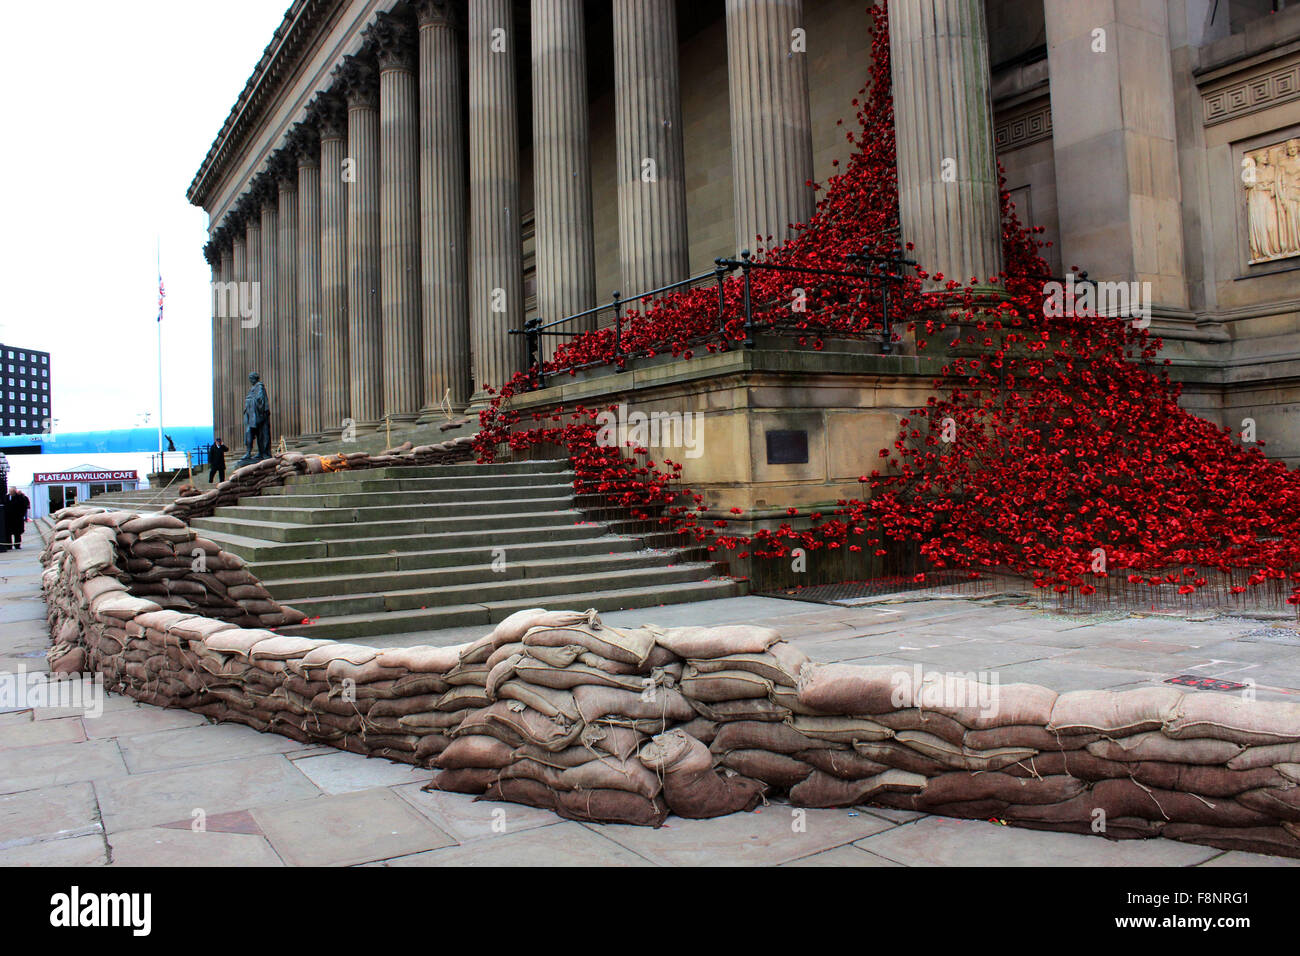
257,421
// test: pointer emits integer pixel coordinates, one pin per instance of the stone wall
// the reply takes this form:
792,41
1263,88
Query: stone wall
604,724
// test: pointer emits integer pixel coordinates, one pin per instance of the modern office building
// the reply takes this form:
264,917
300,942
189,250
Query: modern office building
24,391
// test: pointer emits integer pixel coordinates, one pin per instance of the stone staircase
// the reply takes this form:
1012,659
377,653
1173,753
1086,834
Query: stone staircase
409,549
145,501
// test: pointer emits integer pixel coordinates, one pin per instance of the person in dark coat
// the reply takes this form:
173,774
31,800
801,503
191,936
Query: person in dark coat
217,460
16,507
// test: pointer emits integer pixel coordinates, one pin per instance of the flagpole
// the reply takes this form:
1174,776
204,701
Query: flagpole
162,459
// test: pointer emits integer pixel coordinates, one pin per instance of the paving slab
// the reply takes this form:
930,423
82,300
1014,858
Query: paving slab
48,813
88,850
468,819
342,772
842,856
67,730
773,834
159,846
348,828
943,841
140,719
563,843
164,796
1235,858
193,746
27,768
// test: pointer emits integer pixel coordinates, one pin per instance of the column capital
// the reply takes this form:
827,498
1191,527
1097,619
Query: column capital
393,40
250,210
357,81
262,190
436,13
283,167
212,253
303,143
328,114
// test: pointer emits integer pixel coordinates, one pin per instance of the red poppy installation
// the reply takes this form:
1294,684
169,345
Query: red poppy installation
1053,447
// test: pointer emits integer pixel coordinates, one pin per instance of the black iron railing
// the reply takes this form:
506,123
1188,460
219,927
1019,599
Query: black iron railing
871,275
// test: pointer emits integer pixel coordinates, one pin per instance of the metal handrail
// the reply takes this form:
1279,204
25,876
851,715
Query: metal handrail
880,268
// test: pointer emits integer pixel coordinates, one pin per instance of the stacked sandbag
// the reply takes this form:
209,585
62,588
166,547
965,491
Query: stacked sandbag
1201,766
159,557
625,725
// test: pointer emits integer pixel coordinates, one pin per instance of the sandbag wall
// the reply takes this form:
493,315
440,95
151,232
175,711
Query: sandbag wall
625,725
250,480
104,568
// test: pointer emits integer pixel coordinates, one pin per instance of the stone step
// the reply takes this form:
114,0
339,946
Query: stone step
345,484
314,585
258,550
286,532
379,602
355,626
367,564
265,512
444,473
386,493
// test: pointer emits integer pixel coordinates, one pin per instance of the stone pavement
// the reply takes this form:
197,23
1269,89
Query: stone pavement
135,785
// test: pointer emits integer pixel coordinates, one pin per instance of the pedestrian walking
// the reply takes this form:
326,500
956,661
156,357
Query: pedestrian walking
217,460
16,506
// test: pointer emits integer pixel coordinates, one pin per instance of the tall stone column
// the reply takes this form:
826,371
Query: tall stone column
652,239
250,329
288,341
1115,142
213,258
359,84
329,114
238,372
229,327
399,216
943,124
267,333
306,150
771,132
496,259
566,254
444,231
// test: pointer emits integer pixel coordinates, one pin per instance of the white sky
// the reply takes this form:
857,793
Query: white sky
104,129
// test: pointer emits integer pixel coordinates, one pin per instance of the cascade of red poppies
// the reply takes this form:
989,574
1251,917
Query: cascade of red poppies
1053,446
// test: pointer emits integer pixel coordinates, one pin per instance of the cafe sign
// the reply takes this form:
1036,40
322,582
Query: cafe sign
77,477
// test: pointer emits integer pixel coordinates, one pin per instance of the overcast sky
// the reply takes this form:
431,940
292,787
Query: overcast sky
111,108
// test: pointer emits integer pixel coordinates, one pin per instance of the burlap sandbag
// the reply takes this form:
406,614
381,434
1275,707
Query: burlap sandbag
780,663
957,787
595,702
823,790
512,629
775,770
1207,781
1154,745
756,735
900,757
610,806
844,730
1283,804
525,769
1024,735
1265,756
610,773
692,788
521,790
1125,798
465,673
468,780
561,759
1277,841
628,645
751,708
1255,722
723,685
550,656
845,764
620,742
1078,763
467,695
711,642
855,689
962,758
420,659
532,726
1114,713
503,652
574,675
913,718
557,704
500,672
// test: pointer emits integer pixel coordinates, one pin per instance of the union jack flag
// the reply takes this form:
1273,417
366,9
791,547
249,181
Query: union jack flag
162,294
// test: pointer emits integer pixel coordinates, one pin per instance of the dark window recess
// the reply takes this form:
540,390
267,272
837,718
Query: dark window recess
787,447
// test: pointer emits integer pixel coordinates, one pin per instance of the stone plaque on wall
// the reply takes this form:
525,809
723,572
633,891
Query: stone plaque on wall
1271,177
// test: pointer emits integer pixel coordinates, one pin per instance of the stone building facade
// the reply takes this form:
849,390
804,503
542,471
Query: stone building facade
400,184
